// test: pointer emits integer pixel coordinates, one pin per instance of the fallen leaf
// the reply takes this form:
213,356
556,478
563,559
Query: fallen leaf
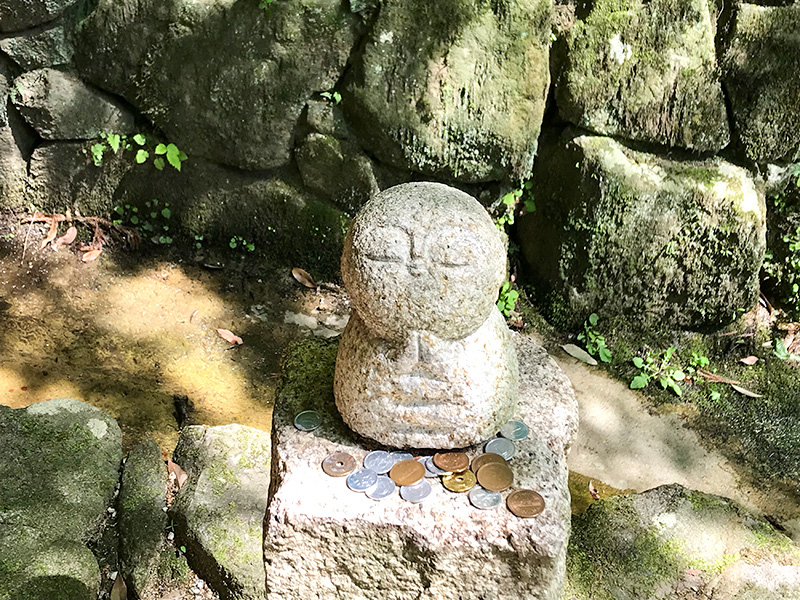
593,491
694,572
750,360
194,314
580,354
745,392
51,235
66,239
175,469
119,591
303,277
229,336
91,255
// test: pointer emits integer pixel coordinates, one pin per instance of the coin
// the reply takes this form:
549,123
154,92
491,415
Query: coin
485,459
398,456
384,488
501,446
525,503
495,477
484,499
379,461
514,430
431,470
455,462
308,420
339,464
407,472
417,492
362,480
459,482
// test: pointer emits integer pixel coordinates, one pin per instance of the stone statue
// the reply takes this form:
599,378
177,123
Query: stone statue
426,360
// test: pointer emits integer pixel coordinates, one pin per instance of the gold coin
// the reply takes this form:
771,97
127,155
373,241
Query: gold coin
485,459
525,503
339,464
459,482
407,472
495,477
455,462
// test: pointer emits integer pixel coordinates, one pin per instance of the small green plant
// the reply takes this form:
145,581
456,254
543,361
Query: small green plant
333,97
667,375
183,549
162,154
508,204
198,242
782,352
507,301
595,343
238,241
153,220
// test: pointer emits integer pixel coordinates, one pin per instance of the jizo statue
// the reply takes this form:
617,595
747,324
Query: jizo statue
426,360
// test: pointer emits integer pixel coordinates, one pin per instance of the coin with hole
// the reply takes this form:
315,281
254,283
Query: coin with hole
362,480
484,499
416,493
407,472
339,464
525,503
495,477
485,459
514,430
501,446
459,482
308,420
455,462
379,461
384,488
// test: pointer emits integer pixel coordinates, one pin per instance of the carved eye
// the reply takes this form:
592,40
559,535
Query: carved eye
453,248
386,244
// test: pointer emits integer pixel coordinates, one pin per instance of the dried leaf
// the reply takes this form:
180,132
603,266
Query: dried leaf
750,360
66,239
694,572
303,277
180,474
194,314
593,491
745,392
229,336
91,255
714,378
51,235
580,354
120,590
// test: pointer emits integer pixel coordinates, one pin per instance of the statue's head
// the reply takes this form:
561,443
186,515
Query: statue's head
423,257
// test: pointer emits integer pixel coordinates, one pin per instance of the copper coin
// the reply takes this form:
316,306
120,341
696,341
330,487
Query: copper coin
525,503
485,459
459,482
339,464
455,462
495,477
407,472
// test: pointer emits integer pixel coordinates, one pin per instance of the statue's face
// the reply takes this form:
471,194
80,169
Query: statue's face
423,257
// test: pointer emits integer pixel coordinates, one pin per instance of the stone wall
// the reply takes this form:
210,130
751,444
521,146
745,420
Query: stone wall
645,123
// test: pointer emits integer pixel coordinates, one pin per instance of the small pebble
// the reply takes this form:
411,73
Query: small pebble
170,536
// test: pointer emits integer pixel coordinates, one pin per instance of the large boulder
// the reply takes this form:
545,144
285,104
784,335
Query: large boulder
224,80
59,106
58,473
219,512
623,232
16,15
645,71
762,79
13,168
671,542
454,88
40,48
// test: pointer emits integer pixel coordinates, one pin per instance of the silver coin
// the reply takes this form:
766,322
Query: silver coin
398,456
308,420
484,499
362,480
501,446
417,492
379,461
383,489
431,470
514,431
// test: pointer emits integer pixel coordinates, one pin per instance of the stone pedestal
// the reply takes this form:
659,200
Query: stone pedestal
324,541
